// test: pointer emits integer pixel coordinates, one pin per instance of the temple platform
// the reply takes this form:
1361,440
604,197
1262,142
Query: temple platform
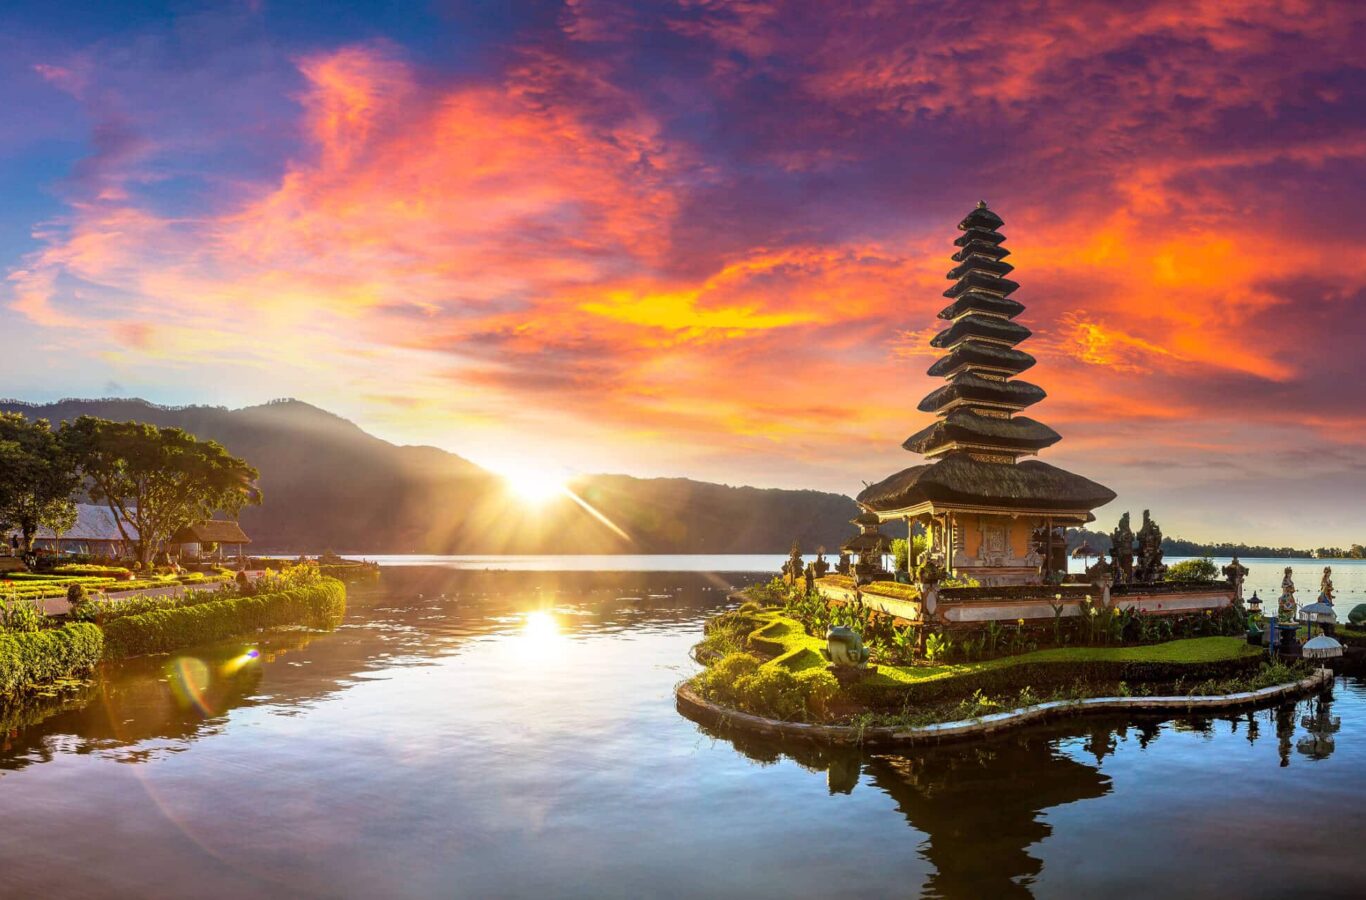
980,605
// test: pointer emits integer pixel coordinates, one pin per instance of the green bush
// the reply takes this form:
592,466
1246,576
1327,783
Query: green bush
1193,570
321,605
39,657
91,571
718,682
740,681
102,612
18,616
771,691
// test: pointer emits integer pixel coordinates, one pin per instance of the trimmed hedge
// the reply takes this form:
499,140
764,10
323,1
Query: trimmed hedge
1191,660
318,606
1046,676
32,658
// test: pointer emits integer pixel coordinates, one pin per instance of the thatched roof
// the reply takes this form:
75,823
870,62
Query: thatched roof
960,479
211,531
868,543
974,325
981,217
969,386
965,426
977,280
991,356
981,264
978,243
865,518
979,302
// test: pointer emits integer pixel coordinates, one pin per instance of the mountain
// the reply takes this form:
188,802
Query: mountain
329,485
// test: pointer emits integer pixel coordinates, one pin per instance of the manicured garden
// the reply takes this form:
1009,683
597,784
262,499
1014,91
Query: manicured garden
766,659
39,650
105,579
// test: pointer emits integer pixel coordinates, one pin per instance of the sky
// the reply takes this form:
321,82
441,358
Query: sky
709,239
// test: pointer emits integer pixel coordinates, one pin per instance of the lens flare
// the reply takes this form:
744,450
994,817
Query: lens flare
190,677
237,663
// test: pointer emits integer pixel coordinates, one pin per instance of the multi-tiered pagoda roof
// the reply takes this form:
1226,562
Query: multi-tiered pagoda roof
978,436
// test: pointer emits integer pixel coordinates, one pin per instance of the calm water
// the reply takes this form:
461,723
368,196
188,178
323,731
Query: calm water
475,734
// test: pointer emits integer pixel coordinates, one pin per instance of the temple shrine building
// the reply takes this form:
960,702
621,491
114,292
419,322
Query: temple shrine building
991,511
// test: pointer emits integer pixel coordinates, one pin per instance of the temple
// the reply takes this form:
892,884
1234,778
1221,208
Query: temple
991,514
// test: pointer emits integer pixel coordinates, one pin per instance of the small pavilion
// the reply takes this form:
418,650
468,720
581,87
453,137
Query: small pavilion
983,503
191,539
868,546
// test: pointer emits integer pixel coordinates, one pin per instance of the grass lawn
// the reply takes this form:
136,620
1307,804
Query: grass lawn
801,651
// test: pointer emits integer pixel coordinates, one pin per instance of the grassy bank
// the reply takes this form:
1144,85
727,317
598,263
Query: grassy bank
33,652
926,692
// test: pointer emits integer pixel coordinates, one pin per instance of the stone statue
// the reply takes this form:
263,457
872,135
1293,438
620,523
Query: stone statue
842,566
792,569
1286,605
1326,585
844,647
1150,567
1122,551
1236,573
810,577
822,567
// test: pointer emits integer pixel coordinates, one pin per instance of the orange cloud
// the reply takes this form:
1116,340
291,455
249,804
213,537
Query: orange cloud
558,254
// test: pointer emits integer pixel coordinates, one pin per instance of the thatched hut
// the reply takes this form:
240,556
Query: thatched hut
192,540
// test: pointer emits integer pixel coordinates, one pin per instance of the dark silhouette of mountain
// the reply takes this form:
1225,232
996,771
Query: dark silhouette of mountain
329,485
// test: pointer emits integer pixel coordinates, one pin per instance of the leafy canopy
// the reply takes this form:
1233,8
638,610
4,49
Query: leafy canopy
158,480
37,478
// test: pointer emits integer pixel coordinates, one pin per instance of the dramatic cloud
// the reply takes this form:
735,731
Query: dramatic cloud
709,238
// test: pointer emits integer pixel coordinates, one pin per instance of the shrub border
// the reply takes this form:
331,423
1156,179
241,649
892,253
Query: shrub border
162,631
694,706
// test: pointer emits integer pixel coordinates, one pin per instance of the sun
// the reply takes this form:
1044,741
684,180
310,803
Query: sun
535,485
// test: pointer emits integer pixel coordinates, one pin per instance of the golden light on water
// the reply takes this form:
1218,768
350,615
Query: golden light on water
540,627
236,664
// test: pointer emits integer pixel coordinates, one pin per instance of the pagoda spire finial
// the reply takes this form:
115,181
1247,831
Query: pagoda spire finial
981,204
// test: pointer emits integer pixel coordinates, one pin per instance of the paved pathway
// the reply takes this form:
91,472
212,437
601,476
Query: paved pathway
57,606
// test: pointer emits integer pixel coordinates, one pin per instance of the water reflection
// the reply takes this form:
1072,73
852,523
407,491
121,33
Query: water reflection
501,734
982,810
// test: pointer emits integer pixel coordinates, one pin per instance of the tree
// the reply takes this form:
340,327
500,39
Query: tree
157,480
37,478
1202,569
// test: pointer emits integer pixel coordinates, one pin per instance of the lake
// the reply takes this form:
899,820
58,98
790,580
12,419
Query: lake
472,733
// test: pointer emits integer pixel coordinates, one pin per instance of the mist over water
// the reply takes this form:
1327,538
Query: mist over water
512,733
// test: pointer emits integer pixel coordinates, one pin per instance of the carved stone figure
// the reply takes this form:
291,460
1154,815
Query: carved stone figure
1122,551
810,577
1286,605
822,567
1326,585
1149,567
793,568
842,567
844,647
1236,573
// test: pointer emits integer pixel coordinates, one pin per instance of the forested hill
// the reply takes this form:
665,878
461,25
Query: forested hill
1179,547
329,485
